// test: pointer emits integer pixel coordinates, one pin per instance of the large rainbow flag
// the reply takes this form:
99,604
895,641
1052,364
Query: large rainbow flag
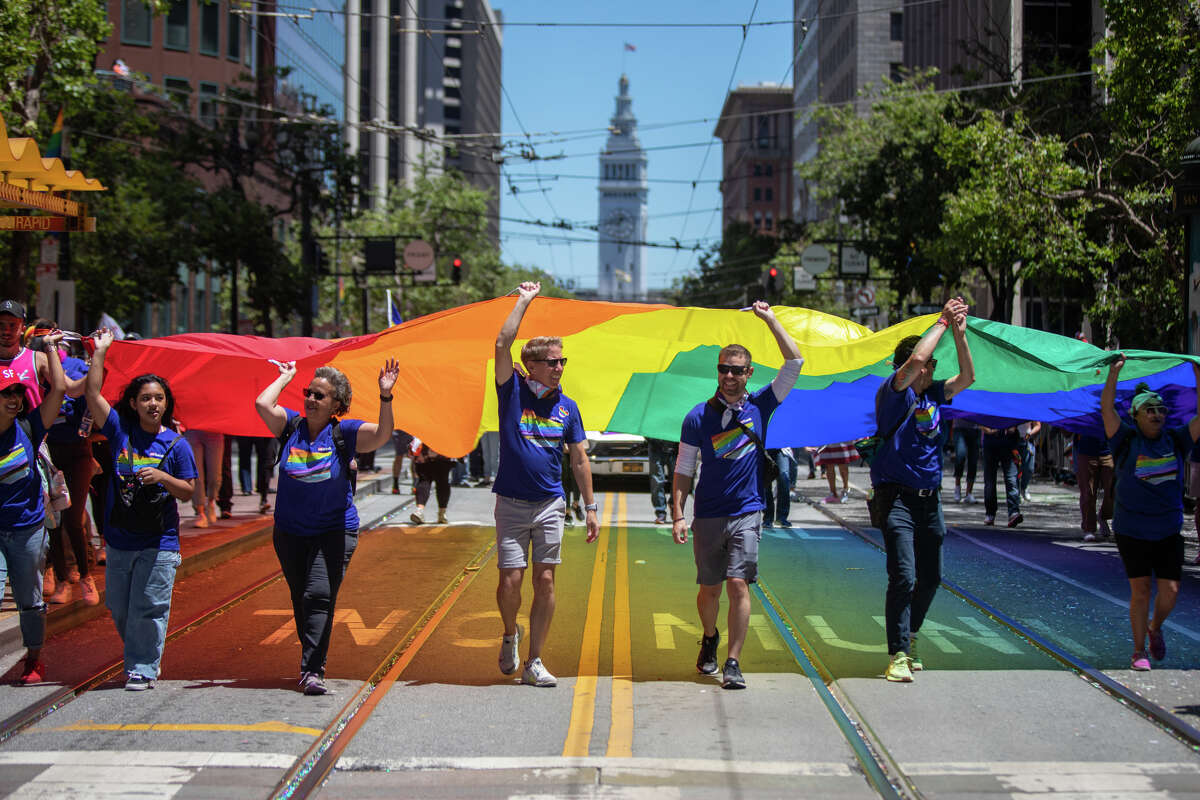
639,368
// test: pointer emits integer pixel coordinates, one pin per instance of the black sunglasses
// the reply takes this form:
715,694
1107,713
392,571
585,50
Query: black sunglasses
13,391
552,362
735,369
314,394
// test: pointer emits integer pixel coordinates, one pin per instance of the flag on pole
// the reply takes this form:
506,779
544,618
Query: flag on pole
394,316
54,144
630,47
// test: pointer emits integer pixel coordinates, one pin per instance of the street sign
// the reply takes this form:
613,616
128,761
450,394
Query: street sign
854,261
865,296
865,311
802,281
55,224
917,309
815,259
418,255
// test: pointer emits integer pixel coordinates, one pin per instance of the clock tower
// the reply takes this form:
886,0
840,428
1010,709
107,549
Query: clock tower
622,209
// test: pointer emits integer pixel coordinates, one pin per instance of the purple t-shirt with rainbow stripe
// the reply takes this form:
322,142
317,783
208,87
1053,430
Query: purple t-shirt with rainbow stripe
1149,475
314,495
729,460
138,449
532,433
21,503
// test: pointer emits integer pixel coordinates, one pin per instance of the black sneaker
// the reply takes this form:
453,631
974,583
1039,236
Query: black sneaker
731,677
706,662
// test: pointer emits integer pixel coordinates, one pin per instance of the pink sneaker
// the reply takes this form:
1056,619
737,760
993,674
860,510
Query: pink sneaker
1139,662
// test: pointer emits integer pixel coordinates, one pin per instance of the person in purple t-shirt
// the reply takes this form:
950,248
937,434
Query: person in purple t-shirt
536,419
907,479
720,433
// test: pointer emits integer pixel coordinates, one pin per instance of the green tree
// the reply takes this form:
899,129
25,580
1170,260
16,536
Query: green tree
731,271
49,47
441,208
886,171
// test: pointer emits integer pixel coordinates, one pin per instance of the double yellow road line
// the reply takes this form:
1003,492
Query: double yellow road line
583,706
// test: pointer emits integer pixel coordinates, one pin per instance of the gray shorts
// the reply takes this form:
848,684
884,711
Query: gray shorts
726,547
521,523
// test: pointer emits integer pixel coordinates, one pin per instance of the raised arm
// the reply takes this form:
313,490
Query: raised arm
52,401
1108,398
785,379
372,436
508,331
921,354
267,403
94,381
966,366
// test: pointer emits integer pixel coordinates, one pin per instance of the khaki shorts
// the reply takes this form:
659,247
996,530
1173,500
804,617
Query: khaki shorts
522,524
726,547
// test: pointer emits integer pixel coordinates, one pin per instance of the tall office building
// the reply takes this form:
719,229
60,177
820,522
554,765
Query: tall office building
839,46
755,130
423,87
622,206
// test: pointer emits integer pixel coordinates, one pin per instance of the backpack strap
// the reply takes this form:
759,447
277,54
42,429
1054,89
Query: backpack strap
762,450
290,427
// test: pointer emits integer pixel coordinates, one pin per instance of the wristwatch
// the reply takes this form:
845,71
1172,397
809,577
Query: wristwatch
592,507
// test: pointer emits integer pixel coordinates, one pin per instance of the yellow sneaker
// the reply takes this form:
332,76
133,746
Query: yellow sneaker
898,670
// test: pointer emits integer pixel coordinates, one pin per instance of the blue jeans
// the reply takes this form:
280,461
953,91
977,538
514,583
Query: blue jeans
1028,461
22,561
137,590
966,454
1005,454
912,535
662,469
778,507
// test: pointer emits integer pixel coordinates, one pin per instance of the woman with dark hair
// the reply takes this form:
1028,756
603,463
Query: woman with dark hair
316,523
23,540
1148,458
432,468
151,468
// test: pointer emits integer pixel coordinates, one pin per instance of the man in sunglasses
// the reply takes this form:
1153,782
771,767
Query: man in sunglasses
726,434
907,478
536,418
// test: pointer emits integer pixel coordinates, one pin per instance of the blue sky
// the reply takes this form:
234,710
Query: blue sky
564,79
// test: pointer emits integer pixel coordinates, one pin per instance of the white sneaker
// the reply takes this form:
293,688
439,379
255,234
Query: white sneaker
957,494
536,674
969,498
990,519
510,652
1088,536
1025,497
845,495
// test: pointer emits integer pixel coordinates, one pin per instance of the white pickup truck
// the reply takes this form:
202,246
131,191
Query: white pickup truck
617,453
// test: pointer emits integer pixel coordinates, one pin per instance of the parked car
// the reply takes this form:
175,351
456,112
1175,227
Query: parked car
617,453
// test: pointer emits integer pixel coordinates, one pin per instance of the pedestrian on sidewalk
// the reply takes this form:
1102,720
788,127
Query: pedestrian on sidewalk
23,497
316,523
661,455
432,468
151,469
1093,476
966,457
1002,450
777,495
1149,461
536,419
907,477
840,455
208,447
726,434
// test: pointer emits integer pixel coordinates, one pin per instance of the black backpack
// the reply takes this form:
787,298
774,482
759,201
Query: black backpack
339,444
138,508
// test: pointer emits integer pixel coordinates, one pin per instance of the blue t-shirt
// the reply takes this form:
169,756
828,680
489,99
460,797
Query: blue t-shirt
65,429
532,433
729,461
21,504
132,450
314,495
1149,476
913,456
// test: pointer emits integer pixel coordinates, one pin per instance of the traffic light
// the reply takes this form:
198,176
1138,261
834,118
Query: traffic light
456,268
771,282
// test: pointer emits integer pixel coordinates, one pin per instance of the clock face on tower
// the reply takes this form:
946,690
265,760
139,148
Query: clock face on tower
618,224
